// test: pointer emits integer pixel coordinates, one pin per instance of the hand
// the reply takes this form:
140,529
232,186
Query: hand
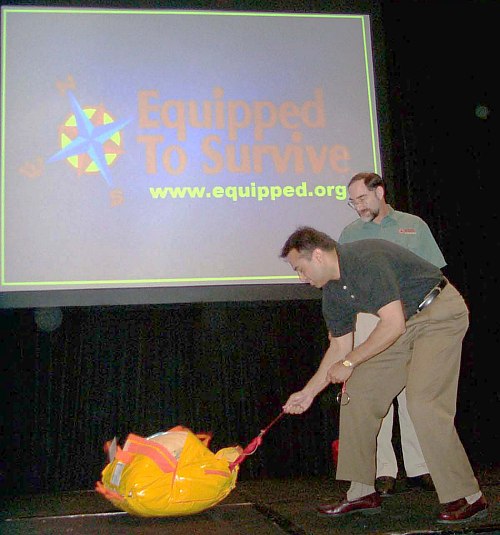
298,403
338,373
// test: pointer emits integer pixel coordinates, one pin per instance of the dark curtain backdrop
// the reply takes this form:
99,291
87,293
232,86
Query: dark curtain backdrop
228,368
444,168
106,371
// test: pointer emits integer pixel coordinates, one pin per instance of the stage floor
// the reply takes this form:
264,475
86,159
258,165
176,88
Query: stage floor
259,507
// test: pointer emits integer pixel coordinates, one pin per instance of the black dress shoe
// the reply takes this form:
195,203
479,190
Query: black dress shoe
462,511
423,482
385,486
367,505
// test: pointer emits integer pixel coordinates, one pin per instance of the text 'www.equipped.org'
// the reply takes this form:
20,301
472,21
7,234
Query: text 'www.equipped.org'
251,191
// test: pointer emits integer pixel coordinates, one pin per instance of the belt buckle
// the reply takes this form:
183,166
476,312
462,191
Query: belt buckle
429,298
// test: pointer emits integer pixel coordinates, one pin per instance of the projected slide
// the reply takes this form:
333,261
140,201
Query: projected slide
176,148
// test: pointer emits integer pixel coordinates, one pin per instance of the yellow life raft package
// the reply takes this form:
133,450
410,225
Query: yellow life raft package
172,473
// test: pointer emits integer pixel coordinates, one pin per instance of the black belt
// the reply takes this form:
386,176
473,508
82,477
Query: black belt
429,298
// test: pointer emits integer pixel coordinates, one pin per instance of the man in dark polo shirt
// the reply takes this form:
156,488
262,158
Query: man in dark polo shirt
416,344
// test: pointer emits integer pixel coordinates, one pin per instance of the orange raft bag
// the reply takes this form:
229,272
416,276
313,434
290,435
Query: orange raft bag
173,473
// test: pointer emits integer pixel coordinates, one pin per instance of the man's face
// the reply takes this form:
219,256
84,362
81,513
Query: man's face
366,202
310,270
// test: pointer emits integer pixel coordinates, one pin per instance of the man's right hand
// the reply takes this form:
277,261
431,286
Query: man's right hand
298,402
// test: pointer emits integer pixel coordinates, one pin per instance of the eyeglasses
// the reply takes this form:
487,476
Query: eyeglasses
360,201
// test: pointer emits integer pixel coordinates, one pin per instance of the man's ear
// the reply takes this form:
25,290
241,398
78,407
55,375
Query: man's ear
317,255
380,192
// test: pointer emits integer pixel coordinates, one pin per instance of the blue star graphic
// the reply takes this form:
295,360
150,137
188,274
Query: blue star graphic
89,140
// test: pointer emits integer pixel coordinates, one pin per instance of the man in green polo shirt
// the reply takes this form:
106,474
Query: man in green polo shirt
379,220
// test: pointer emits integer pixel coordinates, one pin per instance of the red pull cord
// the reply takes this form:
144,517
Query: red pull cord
255,443
264,431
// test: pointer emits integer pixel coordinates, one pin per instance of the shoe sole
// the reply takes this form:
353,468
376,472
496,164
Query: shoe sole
478,515
372,511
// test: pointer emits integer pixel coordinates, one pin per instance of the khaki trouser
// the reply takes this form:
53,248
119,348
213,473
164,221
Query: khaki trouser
426,359
387,464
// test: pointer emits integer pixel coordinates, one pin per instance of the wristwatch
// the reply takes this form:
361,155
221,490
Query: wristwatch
348,364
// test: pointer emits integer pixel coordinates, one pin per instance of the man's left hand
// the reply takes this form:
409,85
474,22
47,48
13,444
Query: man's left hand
338,373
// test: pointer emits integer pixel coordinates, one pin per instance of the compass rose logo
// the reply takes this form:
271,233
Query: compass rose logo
90,140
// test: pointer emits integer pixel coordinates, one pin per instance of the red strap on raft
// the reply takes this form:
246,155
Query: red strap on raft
255,443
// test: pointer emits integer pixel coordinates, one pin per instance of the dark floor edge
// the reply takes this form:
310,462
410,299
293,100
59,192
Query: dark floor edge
292,529
104,513
494,528
55,517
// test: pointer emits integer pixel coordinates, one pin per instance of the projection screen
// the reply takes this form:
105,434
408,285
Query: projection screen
166,155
